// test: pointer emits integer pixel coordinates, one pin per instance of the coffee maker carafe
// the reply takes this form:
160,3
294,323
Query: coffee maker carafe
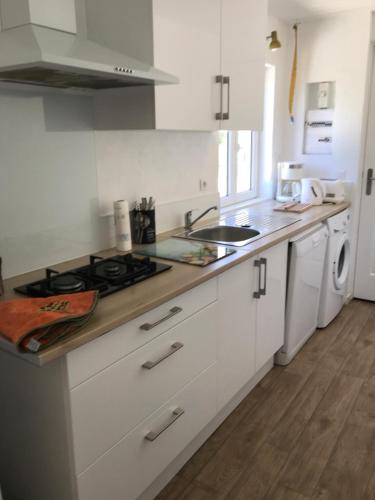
289,175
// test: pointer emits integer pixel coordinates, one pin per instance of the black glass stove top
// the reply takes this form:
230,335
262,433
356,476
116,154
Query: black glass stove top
104,275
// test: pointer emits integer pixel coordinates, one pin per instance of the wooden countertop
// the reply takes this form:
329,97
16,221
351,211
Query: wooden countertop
118,308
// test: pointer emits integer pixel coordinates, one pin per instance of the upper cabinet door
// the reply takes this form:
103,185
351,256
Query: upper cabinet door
187,43
243,45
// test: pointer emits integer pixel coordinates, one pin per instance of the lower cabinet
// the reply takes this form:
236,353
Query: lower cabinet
236,343
126,470
160,412
121,418
270,294
251,299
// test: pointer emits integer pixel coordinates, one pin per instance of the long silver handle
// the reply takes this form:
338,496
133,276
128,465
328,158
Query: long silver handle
176,414
226,81
220,79
172,312
370,179
149,365
263,290
257,294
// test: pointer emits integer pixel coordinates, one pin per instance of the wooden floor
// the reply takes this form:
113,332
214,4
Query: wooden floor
306,431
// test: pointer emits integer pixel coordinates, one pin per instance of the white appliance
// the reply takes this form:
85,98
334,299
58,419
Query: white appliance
336,268
289,175
312,191
41,43
306,265
334,191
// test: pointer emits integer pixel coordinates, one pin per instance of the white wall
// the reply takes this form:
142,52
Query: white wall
48,189
165,165
335,49
280,60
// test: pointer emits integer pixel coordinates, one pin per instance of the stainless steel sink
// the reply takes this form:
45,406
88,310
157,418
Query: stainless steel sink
225,234
240,229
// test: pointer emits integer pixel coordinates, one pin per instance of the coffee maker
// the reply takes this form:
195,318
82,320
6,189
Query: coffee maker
289,175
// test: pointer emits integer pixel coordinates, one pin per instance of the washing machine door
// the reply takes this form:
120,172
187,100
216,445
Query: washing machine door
341,263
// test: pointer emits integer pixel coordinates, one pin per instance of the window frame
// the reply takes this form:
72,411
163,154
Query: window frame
233,197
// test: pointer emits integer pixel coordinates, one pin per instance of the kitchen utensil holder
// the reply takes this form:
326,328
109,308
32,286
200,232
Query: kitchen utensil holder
143,226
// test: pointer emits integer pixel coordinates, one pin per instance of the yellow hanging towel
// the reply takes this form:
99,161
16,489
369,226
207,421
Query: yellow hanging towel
293,80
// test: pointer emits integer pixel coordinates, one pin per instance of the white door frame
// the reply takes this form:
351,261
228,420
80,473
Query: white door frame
369,95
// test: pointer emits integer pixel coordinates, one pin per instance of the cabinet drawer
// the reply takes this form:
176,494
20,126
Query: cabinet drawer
131,466
106,407
91,358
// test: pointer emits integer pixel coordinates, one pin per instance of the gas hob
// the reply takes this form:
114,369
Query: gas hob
104,275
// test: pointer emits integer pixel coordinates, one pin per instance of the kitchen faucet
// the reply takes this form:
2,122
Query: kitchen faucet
189,223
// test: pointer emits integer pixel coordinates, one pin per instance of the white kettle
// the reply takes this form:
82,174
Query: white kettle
312,191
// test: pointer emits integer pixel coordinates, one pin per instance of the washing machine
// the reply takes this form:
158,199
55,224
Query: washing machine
336,268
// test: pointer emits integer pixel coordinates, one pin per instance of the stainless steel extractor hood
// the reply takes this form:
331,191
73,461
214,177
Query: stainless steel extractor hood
36,54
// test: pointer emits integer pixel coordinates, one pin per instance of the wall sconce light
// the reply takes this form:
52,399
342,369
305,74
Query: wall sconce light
275,43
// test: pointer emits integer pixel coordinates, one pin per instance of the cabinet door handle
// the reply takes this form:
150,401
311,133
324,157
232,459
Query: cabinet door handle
220,79
257,294
176,414
172,312
149,365
263,290
370,179
226,81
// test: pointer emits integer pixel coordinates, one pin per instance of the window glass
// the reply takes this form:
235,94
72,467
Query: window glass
223,163
244,161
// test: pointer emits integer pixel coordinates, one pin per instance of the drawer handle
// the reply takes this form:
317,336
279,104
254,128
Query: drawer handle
176,414
263,262
172,312
258,293
149,365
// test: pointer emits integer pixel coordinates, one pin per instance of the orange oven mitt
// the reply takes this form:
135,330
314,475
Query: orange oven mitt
36,323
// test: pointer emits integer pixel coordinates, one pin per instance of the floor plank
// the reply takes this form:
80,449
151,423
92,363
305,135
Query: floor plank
226,429
257,479
309,458
307,431
350,467
287,432
282,493
225,468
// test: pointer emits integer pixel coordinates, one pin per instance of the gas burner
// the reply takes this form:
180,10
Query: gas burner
104,275
67,283
110,269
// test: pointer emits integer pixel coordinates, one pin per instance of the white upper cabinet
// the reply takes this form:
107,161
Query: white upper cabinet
243,33
187,41
217,50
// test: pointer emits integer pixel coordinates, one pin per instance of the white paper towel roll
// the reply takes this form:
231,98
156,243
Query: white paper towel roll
122,225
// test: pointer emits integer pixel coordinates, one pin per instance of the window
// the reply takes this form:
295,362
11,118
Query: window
237,160
246,163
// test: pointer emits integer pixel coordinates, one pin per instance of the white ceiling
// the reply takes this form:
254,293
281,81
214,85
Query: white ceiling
298,10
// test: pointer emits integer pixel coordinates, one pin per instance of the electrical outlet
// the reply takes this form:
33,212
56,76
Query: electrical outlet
202,185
